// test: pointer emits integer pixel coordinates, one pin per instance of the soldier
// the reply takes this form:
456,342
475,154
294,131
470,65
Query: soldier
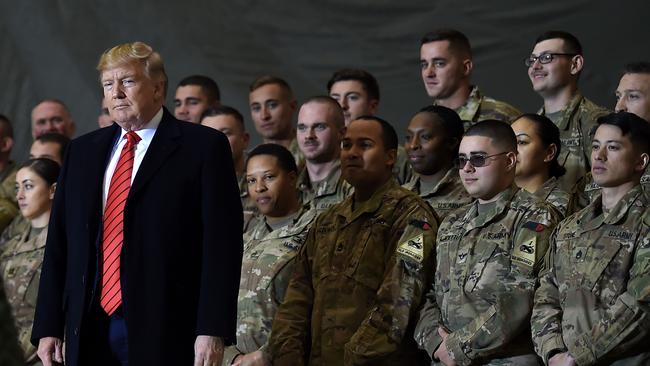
320,129
195,94
21,250
272,107
8,204
554,67
10,353
52,115
51,146
446,67
488,257
432,140
361,273
591,307
269,249
357,91
538,146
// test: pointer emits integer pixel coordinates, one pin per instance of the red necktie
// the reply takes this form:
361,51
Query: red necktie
113,234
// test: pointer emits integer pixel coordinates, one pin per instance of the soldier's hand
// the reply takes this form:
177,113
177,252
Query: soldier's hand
50,350
208,351
441,353
562,359
256,358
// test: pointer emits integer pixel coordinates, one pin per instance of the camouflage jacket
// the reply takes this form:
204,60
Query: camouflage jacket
358,282
326,193
589,190
486,272
576,124
480,107
10,352
553,194
298,156
8,204
448,195
21,258
249,208
595,289
267,266
402,170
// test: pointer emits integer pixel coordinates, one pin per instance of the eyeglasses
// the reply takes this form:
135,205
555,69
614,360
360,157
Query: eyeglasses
544,58
477,161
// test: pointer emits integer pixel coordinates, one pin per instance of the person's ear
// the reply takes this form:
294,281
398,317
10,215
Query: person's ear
642,163
577,62
6,144
392,156
551,152
52,190
468,66
511,160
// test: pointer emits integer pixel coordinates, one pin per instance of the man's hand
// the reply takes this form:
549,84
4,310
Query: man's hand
208,351
562,359
256,358
50,350
441,353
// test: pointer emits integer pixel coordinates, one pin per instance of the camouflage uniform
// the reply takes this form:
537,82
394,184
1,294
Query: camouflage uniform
10,352
332,190
358,282
298,156
487,267
8,203
595,289
553,194
249,207
21,258
480,107
402,170
448,195
267,266
575,124
589,190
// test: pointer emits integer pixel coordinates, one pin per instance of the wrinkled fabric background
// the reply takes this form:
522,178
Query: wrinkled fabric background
49,48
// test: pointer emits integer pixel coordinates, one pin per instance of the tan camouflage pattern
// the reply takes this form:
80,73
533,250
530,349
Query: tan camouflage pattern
589,190
486,271
294,149
402,170
8,203
595,289
10,352
248,205
551,192
21,258
576,124
358,283
480,107
447,196
267,265
326,193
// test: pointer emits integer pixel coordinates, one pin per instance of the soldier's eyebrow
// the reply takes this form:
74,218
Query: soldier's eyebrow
523,134
478,153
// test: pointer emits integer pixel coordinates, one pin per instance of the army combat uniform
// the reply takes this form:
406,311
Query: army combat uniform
594,294
480,107
267,266
551,192
8,203
10,352
446,196
21,258
402,170
326,193
358,282
487,266
590,190
576,123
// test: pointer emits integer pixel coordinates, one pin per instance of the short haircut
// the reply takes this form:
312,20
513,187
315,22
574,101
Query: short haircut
268,80
55,101
127,53
224,110
571,42
208,86
366,79
388,133
45,168
284,156
549,133
634,127
457,40
6,128
56,138
451,123
339,118
641,67
500,132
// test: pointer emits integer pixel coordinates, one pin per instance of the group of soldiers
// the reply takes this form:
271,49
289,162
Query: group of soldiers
488,237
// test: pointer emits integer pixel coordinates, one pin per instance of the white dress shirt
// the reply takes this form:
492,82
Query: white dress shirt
146,134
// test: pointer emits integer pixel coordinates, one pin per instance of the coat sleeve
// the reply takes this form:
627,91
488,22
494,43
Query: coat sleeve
222,247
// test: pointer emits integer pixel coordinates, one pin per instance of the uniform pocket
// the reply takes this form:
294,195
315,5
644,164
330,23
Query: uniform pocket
483,267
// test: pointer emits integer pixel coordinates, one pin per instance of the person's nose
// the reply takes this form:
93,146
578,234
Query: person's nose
260,186
621,105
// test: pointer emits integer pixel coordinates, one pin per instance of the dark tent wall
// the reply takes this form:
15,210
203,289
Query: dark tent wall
49,48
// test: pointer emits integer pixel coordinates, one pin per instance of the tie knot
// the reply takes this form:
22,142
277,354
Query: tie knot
132,138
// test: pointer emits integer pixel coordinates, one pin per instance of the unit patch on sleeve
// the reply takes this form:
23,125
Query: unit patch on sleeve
412,248
524,253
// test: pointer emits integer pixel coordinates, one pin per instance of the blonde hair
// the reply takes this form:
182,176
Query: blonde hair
135,52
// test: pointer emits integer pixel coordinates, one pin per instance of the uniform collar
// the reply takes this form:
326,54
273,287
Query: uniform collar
414,184
592,217
504,199
569,111
369,206
545,190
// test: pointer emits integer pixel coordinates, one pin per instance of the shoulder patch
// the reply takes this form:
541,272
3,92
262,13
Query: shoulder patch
525,253
412,248
420,224
534,226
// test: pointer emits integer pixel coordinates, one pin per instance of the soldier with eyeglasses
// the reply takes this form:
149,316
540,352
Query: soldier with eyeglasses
488,256
554,67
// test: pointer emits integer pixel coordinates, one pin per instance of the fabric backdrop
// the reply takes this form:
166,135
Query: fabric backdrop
49,48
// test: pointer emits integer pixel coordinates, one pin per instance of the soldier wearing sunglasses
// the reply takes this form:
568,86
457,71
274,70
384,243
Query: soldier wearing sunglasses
554,67
488,256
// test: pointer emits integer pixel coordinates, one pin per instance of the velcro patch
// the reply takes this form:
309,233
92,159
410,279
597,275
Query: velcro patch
525,253
535,226
420,224
412,248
